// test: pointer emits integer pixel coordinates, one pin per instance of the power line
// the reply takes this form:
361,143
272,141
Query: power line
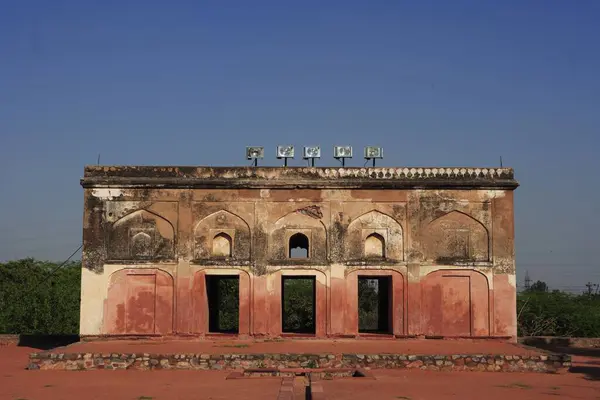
555,264
57,268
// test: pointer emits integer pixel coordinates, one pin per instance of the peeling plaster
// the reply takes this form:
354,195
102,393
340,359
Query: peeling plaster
107,194
496,193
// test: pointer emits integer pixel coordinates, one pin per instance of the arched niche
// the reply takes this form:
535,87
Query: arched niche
139,302
221,245
372,230
296,223
375,246
141,235
455,303
212,232
456,237
141,245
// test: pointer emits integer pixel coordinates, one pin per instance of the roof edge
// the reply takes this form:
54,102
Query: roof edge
299,177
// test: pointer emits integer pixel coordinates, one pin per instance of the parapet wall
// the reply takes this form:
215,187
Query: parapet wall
298,177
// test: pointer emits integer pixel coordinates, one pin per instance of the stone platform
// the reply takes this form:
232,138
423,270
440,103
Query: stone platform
435,355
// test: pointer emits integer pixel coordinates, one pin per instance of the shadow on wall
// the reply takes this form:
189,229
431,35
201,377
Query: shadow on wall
47,342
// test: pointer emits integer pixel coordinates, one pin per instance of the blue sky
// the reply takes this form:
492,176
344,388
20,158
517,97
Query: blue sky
192,82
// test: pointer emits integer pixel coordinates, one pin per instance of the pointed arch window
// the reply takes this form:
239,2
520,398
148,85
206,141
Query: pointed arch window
298,246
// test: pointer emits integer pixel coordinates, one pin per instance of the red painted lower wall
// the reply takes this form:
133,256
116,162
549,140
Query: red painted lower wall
450,303
455,303
139,302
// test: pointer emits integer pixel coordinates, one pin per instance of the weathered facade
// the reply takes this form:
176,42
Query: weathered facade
442,240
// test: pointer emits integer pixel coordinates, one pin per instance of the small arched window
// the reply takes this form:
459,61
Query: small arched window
298,246
221,245
375,246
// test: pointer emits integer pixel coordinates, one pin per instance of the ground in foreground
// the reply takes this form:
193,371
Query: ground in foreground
18,383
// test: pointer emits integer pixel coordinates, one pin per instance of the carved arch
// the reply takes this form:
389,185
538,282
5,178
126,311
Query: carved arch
300,219
222,222
298,246
457,237
294,223
221,245
372,223
141,235
141,245
456,303
199,323
374,245
397,303
139,302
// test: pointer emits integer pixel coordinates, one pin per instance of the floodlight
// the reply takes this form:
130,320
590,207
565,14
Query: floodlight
342,152
372,153
312,152
254,153
285,151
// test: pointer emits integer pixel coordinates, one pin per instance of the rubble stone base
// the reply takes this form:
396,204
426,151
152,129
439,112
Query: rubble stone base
456,362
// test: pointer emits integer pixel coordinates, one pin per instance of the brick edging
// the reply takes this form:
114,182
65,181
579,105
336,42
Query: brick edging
146,361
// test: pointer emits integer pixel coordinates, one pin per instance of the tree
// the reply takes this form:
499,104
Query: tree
298,305
37,298
539,286
368,305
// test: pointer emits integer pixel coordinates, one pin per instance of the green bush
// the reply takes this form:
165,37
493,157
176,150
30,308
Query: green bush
368,305
542,313
34,301
298,305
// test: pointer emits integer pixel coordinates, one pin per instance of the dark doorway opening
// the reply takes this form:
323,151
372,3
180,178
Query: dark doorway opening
298,246
223,303
375,304
298,295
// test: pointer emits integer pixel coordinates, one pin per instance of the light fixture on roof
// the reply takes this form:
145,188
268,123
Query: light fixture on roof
254,153
373,153
285,152
341,153
312,152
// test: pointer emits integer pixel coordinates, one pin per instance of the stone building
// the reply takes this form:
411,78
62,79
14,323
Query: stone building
437,244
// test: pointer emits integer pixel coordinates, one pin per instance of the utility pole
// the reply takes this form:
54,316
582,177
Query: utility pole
527,281
590,287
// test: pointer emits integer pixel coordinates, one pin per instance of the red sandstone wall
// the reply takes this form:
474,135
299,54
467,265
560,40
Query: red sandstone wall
144,299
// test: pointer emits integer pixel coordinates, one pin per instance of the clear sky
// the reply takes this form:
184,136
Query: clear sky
437,83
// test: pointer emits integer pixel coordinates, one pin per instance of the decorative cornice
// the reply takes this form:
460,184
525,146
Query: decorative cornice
298,177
